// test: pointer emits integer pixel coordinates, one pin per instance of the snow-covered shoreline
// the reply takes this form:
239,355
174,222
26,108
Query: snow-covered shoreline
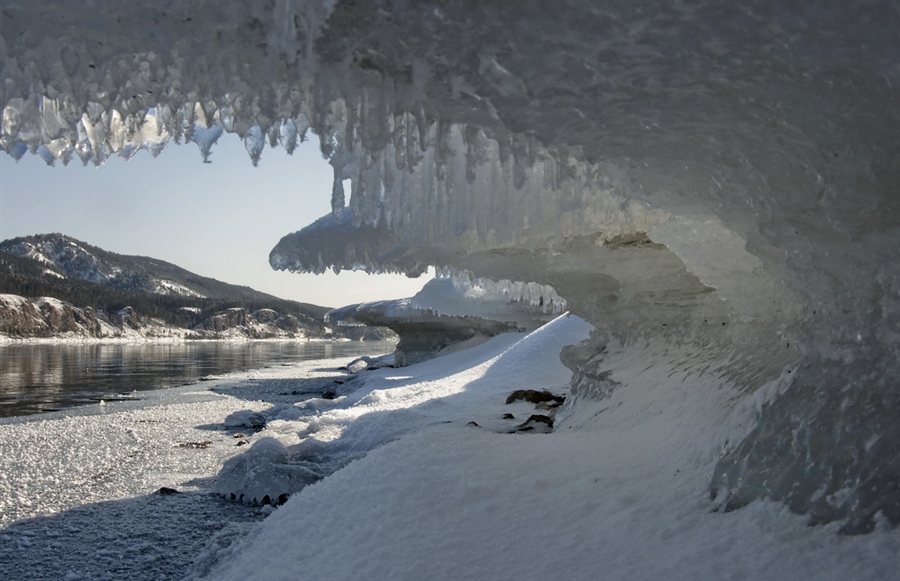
78,340
78,487
433,481
449,489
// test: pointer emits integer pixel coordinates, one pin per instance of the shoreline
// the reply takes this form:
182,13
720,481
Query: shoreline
95,471
50,377
414,466
4,340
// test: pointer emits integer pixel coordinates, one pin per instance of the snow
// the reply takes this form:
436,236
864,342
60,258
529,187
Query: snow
168,287
619,492
461,296
393,481
77,488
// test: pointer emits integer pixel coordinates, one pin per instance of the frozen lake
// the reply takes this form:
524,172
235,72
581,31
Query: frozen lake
36,378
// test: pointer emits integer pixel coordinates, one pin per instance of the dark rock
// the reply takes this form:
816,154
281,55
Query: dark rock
164,491
541,423
329,395
534,396
509,417
196,445
473,424
538,418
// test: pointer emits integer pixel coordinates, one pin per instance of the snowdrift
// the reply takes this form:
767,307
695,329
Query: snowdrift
443,486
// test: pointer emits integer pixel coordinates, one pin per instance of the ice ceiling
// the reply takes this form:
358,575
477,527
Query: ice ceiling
723,175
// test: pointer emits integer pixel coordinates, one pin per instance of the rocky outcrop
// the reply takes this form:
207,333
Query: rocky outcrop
46,317
240,322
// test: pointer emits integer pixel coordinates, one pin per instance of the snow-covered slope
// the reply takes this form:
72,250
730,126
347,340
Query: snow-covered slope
100,294
447,491
66,257
48,318
712,185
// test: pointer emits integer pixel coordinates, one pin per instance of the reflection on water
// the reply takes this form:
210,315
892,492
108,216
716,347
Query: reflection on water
39,378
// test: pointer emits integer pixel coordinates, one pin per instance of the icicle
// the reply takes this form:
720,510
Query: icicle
287,135
338,199
254,142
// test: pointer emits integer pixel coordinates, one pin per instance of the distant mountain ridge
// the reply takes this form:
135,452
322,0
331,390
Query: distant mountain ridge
96,293
72,258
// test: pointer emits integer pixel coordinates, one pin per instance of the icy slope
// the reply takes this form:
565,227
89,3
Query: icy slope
718,177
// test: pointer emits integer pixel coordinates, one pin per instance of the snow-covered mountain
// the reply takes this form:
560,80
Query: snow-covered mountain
66,257
57,286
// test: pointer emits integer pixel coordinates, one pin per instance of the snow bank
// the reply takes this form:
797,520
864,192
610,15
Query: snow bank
617,490
324,435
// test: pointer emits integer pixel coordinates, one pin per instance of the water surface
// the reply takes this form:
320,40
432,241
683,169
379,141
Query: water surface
37,378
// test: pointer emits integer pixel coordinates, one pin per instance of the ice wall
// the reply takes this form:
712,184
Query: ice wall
717,175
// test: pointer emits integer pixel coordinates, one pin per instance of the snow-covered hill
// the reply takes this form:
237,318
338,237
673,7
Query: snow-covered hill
54,286
50,318
66,257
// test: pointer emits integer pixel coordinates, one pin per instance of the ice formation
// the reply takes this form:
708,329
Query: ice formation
452,312
719,178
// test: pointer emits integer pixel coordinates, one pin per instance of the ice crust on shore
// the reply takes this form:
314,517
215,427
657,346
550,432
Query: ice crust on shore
717,180
412,488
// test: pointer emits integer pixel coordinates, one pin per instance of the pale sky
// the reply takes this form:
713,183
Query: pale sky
219,220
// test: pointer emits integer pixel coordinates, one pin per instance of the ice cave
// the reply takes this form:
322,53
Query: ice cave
714,186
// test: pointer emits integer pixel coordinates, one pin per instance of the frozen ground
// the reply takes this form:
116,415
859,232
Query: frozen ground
431,483
618,490
77,488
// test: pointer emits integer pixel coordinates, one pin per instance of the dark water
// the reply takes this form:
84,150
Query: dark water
41,378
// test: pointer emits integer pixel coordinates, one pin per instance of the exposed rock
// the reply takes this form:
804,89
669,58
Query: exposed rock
240,322
48,317
534,396
536,422
196,445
